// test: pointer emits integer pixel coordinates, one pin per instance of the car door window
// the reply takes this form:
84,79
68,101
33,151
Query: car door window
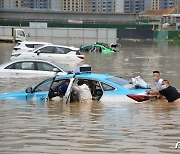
107,87
86,49
58,88
98,49
44,86
12,66
22,66
27,65
48,49
60,50
21,33
45,67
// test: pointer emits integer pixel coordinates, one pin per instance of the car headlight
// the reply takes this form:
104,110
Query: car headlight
15,55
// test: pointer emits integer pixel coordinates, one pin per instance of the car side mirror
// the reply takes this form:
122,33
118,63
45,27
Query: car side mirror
29,90
55,70
70,72
38,52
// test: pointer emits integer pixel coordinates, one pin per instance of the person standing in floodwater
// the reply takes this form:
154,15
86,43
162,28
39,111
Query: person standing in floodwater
156,78
82,91
171,93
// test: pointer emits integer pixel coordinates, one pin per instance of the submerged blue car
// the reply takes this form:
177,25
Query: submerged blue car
103,87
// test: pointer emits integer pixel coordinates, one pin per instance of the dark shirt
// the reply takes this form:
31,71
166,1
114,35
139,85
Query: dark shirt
170,93
63,88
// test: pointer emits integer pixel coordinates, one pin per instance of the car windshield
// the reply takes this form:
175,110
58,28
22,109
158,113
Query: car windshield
33,50
44,85
119,81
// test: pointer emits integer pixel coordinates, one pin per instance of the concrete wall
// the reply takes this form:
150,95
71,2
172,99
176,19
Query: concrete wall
68,36
119,6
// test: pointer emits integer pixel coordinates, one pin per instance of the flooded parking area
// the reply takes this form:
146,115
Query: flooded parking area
54,127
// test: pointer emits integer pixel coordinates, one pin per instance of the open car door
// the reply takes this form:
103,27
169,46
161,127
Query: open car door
40,92
66,97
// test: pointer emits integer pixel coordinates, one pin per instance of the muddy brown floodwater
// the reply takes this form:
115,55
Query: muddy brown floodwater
54,127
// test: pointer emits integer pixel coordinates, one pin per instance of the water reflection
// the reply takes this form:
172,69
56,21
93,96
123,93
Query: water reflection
54,127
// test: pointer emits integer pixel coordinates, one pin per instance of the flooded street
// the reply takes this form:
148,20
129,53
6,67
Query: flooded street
58,128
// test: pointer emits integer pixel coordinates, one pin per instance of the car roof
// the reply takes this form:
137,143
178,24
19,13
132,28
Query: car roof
63,46
99,45
39,60
34,42
105,78
91,76
35,60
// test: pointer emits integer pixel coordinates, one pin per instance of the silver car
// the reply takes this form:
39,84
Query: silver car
30,68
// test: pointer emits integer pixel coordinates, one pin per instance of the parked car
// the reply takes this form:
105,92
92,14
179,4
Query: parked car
100,47
58,53
27,46
28,68
105,88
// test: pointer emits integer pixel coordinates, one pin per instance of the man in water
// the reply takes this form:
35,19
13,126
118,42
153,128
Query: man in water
171,94
158,80
63,87
82,91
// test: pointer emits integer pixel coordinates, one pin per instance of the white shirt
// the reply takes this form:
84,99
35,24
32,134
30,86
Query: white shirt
83,92
159,84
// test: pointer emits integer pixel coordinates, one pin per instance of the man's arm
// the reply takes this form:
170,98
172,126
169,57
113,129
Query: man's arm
155,92
75,88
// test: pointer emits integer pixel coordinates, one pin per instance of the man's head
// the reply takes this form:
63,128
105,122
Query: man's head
80,82
67,82
156,76
165,84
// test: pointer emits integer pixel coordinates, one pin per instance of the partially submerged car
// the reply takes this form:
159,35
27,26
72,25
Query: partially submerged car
100,47
58,53
31,67
104,88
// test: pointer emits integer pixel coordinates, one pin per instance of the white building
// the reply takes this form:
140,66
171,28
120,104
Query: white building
56,4
8,3
119,6
152,4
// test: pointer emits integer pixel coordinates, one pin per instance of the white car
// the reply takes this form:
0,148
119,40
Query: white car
28,68
27,46
58,53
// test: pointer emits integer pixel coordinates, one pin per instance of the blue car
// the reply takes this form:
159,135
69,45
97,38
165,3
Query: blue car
103,87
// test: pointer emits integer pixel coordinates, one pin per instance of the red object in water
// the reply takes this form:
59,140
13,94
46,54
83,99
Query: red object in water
138,98
81,56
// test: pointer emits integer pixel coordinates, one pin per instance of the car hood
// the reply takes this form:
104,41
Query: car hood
23,96
14,95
